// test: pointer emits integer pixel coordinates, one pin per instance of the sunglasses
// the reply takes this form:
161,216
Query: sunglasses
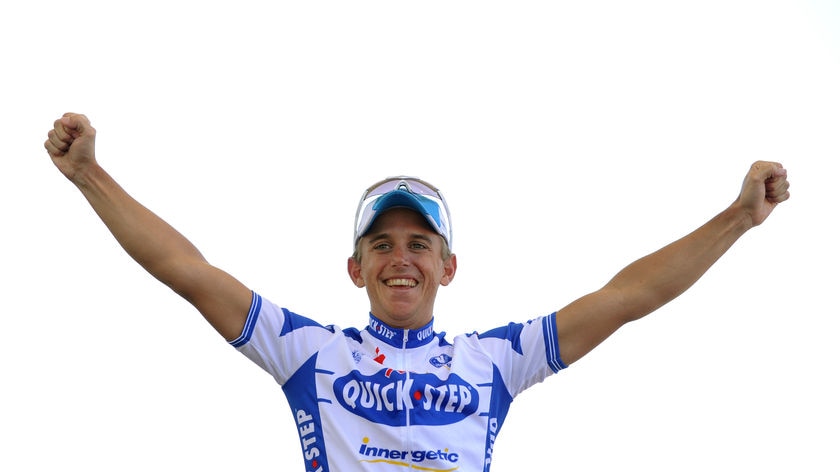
420,195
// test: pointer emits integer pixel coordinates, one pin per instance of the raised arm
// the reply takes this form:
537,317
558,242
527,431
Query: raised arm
153,243
654,280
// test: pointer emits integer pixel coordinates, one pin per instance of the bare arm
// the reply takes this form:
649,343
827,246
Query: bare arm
153,243
654,280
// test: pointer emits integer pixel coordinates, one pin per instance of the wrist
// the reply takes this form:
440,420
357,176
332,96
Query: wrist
739,217
86,176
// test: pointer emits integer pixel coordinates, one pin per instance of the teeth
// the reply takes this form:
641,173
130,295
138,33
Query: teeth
400,282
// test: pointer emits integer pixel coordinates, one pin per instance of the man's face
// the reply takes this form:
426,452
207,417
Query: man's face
401,268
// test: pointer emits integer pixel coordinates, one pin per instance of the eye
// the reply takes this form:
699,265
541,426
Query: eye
418,245
382,246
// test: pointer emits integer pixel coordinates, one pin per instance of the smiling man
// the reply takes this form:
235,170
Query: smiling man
398,393
402,256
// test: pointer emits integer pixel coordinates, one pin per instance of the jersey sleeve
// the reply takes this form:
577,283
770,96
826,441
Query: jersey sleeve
524,353
278,340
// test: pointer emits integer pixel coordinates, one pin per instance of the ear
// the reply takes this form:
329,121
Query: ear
354,270
449,267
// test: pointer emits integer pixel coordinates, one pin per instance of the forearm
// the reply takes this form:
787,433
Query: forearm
148,239
658,278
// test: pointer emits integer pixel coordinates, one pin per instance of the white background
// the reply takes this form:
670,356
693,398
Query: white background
569,137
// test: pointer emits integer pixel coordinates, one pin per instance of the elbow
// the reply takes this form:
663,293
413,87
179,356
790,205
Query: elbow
634,303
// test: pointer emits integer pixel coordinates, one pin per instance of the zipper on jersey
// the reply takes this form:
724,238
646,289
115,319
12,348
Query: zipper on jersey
407,437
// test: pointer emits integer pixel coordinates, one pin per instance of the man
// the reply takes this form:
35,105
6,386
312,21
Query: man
398,393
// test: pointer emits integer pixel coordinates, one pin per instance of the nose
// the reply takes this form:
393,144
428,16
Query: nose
399,257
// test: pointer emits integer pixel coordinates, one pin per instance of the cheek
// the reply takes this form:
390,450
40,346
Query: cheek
437,274
370,274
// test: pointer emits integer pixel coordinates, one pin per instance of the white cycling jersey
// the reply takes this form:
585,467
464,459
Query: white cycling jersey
382,399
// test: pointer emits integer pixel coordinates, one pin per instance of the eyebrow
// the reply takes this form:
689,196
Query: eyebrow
380,236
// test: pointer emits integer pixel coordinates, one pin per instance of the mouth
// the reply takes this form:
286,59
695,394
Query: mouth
401,283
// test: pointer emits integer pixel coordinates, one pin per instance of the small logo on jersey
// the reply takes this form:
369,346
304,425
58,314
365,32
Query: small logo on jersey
381,329
394,398
380,357
404,458
442,360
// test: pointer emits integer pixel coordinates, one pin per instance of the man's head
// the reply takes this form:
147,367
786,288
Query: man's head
402,250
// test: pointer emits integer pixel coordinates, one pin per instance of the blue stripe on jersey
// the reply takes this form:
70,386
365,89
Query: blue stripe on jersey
511,332
250,322
293,321
307,414
500,400
552,347
353,334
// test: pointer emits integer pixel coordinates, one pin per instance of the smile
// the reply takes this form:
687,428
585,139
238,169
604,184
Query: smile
401,282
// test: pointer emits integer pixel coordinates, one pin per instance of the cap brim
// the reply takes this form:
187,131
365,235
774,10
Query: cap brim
402,199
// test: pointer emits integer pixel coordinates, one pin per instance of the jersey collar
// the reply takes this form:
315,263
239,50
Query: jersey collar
397,336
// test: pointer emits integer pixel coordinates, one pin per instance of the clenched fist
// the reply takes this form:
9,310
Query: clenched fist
70,145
